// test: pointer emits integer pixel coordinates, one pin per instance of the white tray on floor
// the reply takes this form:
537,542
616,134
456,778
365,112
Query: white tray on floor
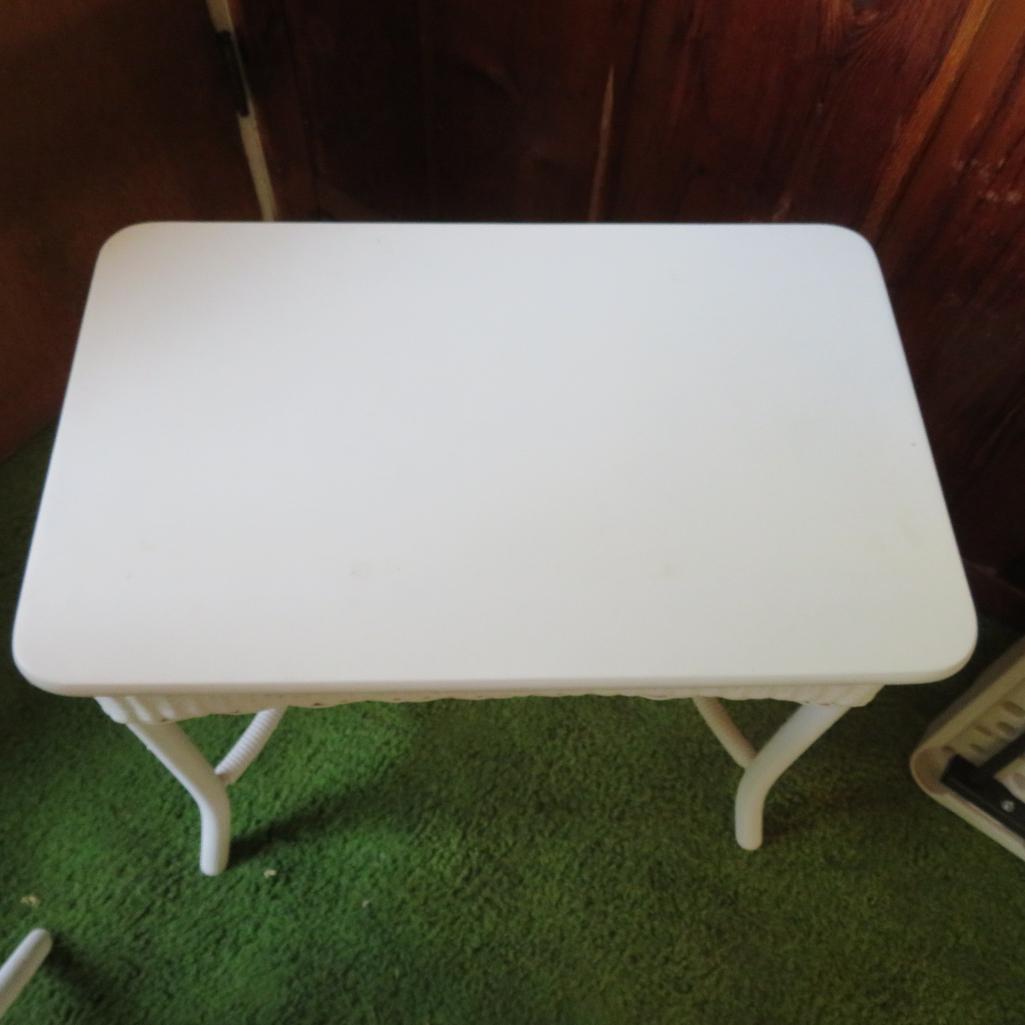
981,722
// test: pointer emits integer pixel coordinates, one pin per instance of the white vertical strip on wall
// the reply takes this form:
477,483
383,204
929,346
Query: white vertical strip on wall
249,129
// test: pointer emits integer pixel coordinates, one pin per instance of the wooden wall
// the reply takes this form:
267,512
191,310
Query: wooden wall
114,111
628,109
954,254
902,120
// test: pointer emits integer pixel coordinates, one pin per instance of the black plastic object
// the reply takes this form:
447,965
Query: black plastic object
978,785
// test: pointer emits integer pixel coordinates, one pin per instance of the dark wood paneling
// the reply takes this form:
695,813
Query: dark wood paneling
522,104
114,112
634,109
954,252
265,42
746,110
350,104
995,595
439,108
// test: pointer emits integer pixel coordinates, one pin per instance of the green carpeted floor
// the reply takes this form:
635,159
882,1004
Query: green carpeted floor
529,861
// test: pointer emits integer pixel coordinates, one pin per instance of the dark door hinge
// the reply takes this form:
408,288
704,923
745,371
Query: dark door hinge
232,60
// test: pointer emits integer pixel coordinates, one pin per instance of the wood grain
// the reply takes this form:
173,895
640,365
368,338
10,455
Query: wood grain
954,252
523,105
359,80
741,110
631,109
114,112
924,118
439,108
265,42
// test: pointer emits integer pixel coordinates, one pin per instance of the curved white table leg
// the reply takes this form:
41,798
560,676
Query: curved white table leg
244,751
718,720
174,749
786,745
22,965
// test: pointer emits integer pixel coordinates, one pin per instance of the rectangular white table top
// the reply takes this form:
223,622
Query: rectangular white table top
326,456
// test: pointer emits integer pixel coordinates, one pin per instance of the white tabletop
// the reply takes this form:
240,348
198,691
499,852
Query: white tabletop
327,456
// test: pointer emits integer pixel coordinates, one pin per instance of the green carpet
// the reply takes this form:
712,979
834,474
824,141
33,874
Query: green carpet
527,861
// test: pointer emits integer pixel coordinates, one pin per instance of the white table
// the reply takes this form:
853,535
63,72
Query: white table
312,464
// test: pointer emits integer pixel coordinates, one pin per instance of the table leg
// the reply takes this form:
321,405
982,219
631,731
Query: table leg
209,786
22,965
718,720
786,745
186,762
